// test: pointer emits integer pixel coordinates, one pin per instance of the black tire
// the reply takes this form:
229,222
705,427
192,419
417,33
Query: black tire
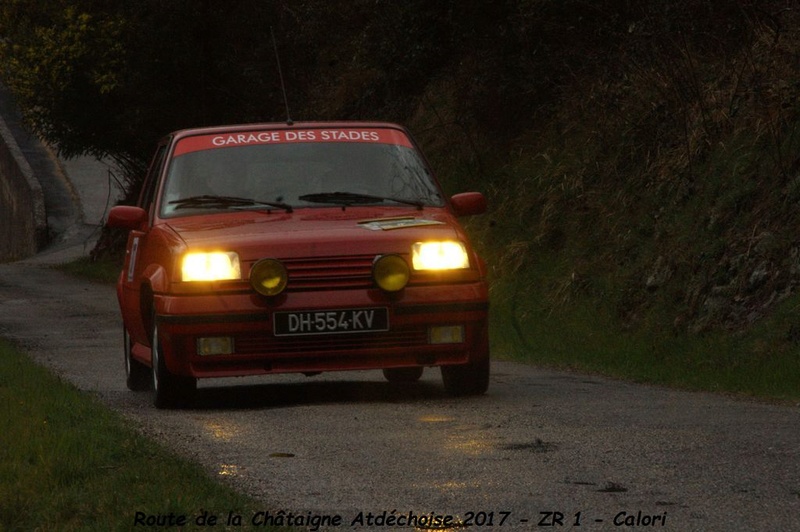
466,379
137,375
169,391
403,374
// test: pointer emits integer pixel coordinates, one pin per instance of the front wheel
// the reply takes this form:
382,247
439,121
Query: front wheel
170,391
466,379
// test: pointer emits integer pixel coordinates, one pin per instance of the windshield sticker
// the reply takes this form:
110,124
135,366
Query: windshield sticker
388,224
285,136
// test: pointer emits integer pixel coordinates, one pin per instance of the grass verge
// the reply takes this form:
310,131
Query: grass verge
101,271
69,463
762,361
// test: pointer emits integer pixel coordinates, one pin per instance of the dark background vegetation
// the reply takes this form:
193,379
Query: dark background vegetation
640,157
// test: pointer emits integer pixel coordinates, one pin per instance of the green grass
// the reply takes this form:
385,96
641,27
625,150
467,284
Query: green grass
762,361
101,271
69,463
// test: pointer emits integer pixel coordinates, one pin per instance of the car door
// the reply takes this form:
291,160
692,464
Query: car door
131,281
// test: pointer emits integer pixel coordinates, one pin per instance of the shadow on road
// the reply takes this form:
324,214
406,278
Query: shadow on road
283,395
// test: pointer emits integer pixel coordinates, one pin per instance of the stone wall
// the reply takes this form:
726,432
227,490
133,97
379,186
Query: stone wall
23,220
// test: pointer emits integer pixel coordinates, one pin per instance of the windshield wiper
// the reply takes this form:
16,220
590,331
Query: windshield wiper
352,198
223,202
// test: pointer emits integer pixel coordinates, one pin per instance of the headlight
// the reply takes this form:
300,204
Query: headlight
212,266
268,277
444,255
391,272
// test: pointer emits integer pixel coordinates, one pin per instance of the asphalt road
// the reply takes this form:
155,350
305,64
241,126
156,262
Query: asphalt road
540,447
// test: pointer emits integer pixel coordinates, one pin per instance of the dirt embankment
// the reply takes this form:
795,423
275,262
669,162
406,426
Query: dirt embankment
23,222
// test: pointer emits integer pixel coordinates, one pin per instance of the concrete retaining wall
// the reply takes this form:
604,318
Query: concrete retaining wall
23,220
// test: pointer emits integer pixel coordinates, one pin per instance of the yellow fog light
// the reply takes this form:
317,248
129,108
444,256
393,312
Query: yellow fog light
391,272
449,334
268,277
445,255
211,266
216,345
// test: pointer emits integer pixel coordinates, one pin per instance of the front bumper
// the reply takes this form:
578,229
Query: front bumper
247,319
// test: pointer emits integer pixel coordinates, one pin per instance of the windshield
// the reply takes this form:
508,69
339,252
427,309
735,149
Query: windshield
296,175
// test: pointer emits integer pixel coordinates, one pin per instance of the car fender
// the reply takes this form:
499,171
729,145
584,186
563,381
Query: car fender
156,276
154,282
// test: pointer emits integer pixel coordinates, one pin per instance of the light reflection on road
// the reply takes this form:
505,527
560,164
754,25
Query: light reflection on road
220,431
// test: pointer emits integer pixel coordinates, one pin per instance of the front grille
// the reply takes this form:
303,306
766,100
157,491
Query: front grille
321,273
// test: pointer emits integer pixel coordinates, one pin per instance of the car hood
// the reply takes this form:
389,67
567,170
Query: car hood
320,232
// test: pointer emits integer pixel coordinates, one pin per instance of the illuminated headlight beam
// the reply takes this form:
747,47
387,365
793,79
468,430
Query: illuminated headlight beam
210,266
441,255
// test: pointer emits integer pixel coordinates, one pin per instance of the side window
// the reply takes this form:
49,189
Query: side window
151,180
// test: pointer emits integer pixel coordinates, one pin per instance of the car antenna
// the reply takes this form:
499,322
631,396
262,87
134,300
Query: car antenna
289,120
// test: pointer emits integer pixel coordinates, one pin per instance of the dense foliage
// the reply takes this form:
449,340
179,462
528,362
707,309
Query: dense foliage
106,78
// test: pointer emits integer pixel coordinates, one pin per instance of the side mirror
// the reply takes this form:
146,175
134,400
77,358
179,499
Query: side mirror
468,203
126,217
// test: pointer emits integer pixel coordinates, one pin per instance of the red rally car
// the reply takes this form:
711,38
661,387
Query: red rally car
307,247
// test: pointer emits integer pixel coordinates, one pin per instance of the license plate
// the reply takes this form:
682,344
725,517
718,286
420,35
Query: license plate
352,320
